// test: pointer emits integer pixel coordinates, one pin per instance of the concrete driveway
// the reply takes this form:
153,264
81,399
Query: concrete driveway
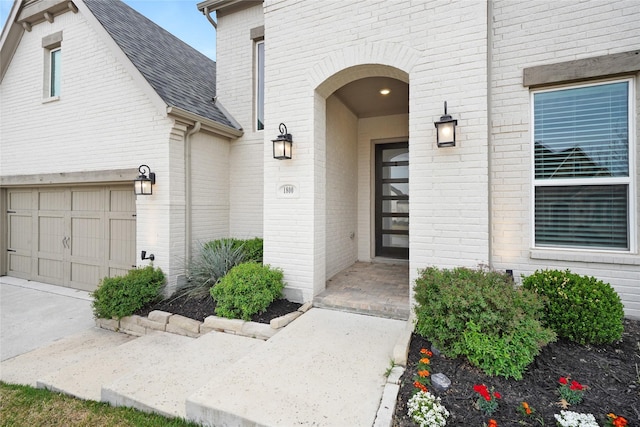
34,314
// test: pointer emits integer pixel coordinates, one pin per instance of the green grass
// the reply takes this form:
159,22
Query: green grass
28,406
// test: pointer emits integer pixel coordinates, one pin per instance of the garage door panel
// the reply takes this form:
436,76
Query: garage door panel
19,265
20,232
53,200
122,233
87,200
51,235
51,270
20,200
86,238
85,276
122,201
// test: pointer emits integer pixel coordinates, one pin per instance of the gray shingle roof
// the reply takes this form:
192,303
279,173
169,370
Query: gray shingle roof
182,76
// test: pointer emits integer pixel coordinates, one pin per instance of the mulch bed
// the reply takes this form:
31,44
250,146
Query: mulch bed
611,372
199,309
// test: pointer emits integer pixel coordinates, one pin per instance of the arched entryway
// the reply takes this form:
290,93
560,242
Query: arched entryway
365,110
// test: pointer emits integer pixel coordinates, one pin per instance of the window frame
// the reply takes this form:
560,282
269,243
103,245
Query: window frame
629,181
50,74
259,95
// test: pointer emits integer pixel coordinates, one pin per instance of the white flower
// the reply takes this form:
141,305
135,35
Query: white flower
426,410
575,419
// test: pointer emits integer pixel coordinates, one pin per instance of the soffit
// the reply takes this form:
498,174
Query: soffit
33,12
226,6
363,97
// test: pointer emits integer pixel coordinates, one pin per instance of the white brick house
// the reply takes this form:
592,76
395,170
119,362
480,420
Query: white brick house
367,181
491,199
125,93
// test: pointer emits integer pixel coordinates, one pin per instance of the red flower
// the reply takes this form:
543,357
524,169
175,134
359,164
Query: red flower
497,395
427,352
562,380
492,423
480,388
575,385
420,386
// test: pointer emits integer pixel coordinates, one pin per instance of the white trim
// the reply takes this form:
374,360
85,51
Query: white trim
630,180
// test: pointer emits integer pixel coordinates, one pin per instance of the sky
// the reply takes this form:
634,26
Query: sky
179,17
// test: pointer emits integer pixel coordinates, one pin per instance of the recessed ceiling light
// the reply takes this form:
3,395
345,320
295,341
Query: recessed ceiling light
385,91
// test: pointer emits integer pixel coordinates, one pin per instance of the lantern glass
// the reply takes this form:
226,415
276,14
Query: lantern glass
142,186
446,133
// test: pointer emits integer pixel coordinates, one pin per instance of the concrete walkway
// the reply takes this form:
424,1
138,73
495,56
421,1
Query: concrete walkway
34,314
325,369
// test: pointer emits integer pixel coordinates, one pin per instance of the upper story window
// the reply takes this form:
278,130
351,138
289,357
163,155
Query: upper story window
259,79
583,170
54,71
52,78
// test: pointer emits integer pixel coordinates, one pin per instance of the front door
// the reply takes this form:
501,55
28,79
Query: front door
392,200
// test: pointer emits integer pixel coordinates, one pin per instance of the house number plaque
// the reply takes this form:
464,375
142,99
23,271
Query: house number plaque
288,191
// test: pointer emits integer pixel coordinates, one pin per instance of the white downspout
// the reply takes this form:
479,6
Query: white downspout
187,191
206,13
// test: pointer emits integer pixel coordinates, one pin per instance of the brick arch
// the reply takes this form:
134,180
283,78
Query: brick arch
356,62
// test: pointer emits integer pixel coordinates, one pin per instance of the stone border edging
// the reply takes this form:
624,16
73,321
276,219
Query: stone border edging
174,323
387,408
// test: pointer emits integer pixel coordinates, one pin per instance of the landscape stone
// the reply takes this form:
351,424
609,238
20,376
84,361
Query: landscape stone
222,324
282,321
440,382
159,316
185,323
258,330
395,374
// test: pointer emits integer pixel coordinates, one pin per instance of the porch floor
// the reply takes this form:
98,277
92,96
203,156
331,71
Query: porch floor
373,288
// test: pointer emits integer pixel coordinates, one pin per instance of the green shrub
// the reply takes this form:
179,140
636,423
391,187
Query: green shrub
581,308
247,289
482,316
212,262
124,295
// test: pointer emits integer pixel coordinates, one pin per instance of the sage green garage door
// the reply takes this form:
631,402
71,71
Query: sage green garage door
71,236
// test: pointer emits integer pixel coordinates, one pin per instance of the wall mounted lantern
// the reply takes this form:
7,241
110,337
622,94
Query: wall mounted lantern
446,130
282,144
143,184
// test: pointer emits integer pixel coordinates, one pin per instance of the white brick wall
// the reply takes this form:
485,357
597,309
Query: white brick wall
527,34
342,187
414,42
442,51
235,90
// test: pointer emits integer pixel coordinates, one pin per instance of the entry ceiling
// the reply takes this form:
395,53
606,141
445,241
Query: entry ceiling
363,97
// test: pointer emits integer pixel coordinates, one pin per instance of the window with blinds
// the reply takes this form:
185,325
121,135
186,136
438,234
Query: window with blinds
581,166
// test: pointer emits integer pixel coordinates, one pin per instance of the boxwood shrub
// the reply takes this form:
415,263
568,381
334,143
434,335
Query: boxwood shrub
248,289
482,316
580,308
122,296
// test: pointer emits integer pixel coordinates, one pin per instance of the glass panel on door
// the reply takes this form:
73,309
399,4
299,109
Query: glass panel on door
392,200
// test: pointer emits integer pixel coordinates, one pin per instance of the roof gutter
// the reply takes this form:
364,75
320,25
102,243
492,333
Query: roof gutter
206,13
207,124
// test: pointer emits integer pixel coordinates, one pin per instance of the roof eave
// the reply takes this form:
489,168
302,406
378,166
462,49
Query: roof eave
226,5
10,38
209,124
